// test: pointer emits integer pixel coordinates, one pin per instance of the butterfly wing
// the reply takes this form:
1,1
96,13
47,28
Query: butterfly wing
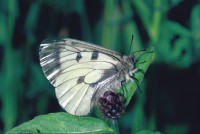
77,70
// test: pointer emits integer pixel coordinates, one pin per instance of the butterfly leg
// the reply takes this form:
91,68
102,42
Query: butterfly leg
141,71
124,90
137,82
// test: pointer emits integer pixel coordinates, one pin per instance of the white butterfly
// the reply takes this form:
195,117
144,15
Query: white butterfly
82,72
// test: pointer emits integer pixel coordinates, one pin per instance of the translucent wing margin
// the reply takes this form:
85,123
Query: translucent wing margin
76,69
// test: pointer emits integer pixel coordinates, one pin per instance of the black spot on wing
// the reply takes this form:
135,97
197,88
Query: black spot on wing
95,55
80,79
78,56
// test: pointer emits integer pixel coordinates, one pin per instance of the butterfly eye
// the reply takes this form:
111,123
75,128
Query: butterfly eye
132,60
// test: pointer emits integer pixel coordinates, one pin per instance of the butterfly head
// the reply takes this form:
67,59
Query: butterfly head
130,62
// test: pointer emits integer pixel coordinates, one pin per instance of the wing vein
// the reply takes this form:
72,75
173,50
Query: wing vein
73,95
81,99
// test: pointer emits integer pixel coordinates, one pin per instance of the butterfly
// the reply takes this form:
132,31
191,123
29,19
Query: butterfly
83,73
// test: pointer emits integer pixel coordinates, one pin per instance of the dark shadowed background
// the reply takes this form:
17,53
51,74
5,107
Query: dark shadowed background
170,99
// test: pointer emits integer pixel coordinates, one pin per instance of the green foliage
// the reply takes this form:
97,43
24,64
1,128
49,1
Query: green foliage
147,132
63,123
25,93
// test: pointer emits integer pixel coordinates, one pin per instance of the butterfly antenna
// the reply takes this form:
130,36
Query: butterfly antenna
131,44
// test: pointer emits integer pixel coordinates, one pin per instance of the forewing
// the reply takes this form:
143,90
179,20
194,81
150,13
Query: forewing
74,68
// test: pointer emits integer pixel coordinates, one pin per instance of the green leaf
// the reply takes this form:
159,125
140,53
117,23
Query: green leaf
63,123
147,132
143,62
110,27
195,27
3,31
195,21
174,45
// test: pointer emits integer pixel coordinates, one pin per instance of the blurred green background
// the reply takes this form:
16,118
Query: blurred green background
170,101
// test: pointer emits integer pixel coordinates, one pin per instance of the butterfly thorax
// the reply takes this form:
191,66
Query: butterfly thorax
112,80
128,67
